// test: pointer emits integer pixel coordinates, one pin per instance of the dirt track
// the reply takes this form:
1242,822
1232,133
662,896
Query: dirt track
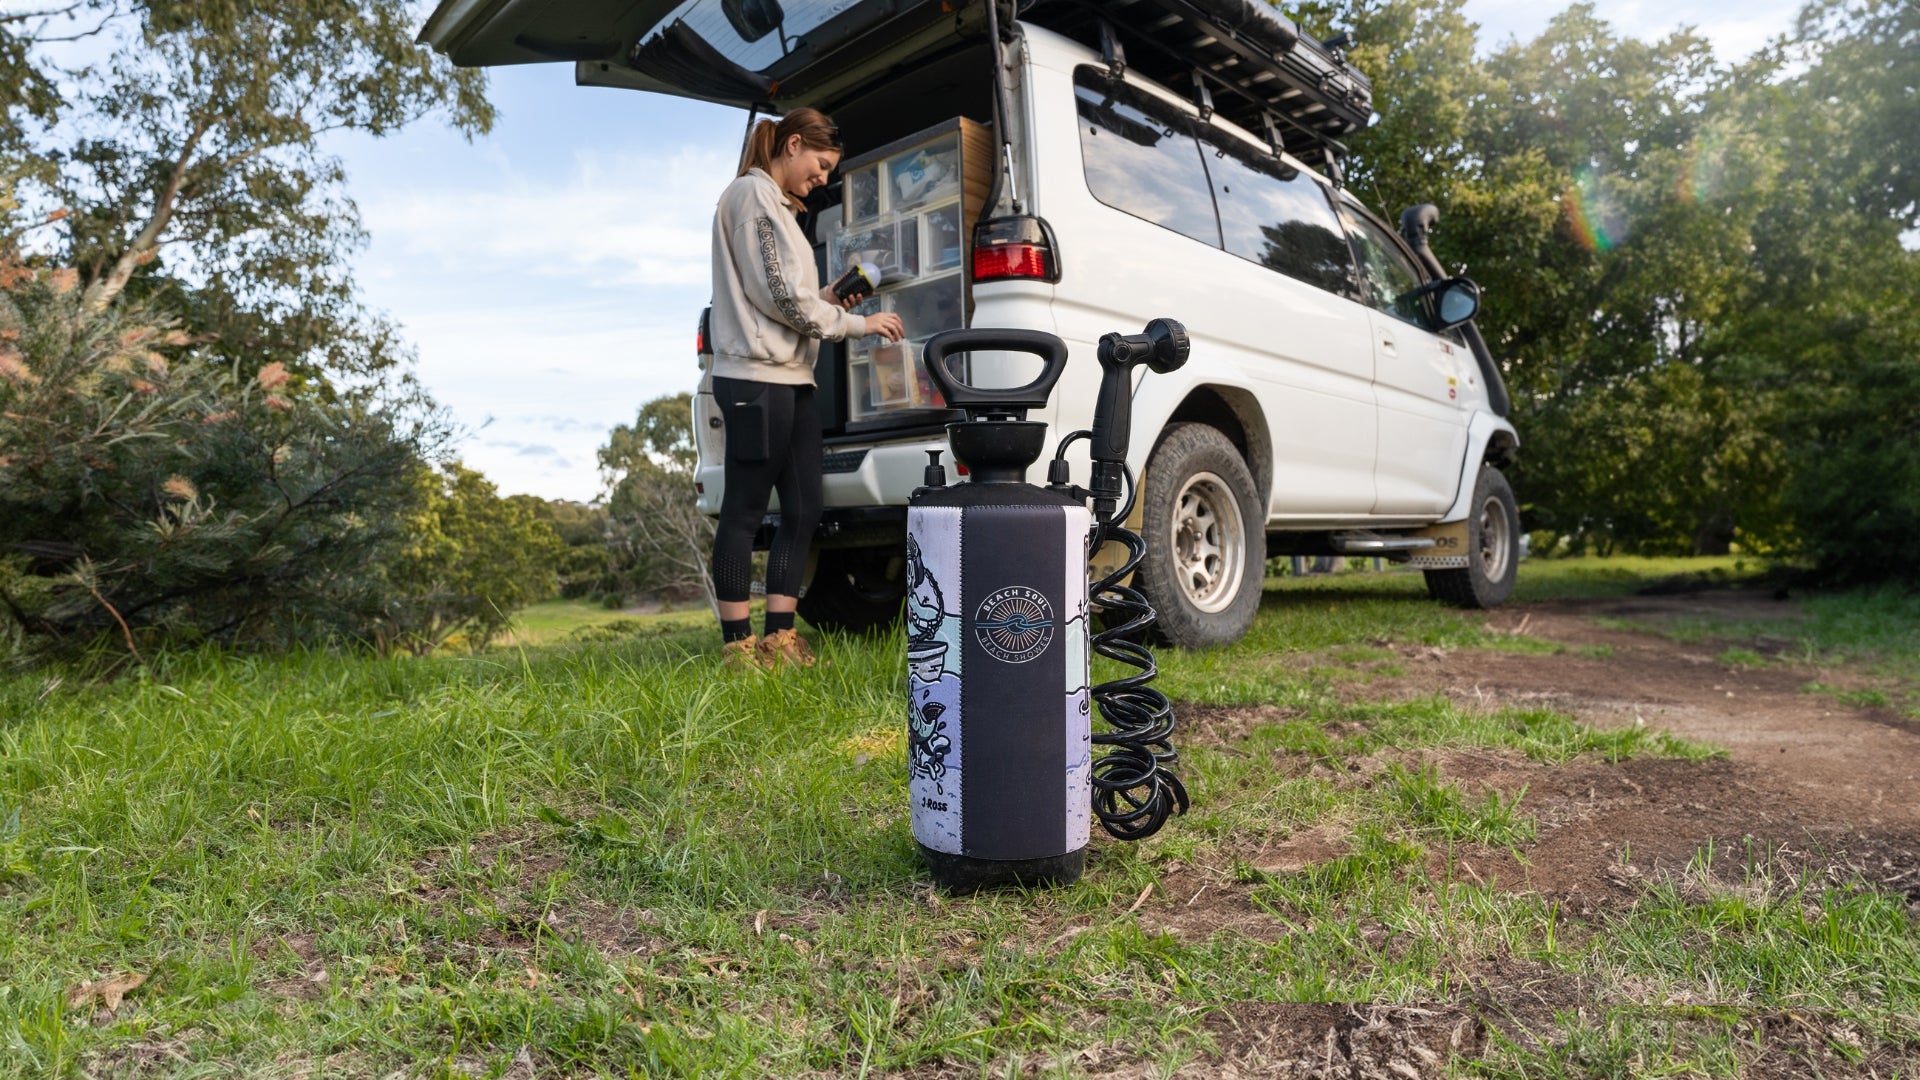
1809,777
1806,775
1818,756
1812,791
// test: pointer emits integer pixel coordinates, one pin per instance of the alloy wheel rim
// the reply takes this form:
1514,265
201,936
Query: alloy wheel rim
1209,542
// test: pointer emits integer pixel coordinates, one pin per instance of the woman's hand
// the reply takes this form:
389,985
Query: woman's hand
841,302
886,324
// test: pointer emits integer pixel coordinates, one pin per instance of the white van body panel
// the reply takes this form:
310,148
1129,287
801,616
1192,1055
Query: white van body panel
1480,433
1423,431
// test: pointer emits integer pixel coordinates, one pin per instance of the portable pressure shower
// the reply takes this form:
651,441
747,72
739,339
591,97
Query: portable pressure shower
1003,773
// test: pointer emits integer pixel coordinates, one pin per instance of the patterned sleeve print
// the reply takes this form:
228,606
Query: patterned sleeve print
783,297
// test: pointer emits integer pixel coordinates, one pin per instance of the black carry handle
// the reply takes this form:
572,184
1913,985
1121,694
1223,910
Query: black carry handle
979,401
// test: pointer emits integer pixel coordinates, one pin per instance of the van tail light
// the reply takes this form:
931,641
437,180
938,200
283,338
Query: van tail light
1015,247
701,346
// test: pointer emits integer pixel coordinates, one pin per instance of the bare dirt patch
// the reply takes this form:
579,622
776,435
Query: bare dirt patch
1811,789
1363,1042
1795,755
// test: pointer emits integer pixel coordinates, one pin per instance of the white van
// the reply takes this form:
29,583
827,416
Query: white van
1119,162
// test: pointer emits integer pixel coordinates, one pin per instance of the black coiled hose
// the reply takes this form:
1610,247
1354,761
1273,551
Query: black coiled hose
1134,787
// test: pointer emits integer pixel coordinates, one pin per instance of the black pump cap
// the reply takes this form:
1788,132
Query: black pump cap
936,475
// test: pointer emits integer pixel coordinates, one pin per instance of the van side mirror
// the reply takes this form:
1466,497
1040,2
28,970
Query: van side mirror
1453,301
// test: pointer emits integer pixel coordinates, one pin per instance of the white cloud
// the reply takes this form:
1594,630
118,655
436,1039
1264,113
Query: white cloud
546,381
547,300
623,219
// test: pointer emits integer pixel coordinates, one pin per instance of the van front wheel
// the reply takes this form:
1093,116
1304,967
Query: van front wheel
1200,517
1493,548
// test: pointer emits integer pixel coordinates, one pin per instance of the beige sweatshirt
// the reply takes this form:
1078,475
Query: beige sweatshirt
768,317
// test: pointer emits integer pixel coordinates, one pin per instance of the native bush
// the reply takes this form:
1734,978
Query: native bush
149,495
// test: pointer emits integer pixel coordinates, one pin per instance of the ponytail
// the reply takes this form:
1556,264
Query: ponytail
760,144
768,138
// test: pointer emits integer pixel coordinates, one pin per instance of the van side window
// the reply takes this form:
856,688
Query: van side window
1277,216
1140,157
1388,279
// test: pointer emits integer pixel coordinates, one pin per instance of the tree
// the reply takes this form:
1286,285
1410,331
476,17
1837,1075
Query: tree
204,130
586,570
469,561
661,541
147,496
205,436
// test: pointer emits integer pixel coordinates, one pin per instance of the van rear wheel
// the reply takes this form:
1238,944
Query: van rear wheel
1493,548
1200,517
855,590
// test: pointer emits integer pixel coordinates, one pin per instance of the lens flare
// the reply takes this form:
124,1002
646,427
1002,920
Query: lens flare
1597,223
1703,171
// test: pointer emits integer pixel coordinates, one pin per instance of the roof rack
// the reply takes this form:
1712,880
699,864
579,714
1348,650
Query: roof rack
1243,59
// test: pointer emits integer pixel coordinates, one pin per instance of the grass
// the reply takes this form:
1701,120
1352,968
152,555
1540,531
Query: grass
553,622
601,856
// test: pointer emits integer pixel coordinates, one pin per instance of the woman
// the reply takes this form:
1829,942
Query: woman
769,317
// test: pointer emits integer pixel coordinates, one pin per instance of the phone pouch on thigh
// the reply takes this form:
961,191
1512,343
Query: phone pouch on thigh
746,425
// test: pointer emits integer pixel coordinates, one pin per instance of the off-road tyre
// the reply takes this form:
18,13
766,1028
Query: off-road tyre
1205,529
855,590
1493,548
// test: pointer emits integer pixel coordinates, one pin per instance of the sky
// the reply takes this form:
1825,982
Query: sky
550,273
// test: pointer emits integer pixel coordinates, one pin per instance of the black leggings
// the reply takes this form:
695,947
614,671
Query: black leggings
773,444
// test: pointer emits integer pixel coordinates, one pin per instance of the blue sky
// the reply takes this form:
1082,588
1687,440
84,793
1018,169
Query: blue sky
550,273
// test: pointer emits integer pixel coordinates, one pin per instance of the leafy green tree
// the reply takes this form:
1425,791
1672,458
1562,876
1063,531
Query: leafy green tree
661,542
1861,93
469,560
586,569
204,131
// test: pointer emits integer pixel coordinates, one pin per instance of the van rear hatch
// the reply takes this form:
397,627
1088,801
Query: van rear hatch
743,53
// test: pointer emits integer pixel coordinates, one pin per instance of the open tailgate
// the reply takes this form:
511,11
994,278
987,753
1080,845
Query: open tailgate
734,52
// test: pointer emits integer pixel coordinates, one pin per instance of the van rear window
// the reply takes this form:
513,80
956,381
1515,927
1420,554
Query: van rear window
1277,216
1141,159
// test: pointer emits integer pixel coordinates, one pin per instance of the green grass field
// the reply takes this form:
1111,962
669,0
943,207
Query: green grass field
593,853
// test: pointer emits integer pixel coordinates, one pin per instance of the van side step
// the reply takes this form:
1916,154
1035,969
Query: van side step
1366,543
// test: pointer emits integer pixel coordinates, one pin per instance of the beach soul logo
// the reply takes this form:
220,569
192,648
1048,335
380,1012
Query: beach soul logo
1014,625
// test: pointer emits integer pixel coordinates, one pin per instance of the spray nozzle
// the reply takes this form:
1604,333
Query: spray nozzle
1163,347
936,474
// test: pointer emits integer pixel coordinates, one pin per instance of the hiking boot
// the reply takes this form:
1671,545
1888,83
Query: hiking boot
743,654
785,647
